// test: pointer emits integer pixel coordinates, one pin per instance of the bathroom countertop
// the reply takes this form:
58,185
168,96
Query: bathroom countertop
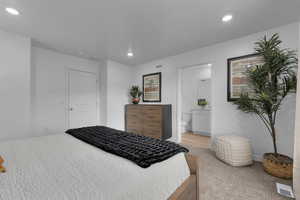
201,109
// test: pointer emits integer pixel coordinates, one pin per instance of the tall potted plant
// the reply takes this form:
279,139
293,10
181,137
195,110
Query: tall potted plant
271,82
135,93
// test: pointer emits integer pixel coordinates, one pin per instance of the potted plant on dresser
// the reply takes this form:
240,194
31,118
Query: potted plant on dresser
135,94
270,83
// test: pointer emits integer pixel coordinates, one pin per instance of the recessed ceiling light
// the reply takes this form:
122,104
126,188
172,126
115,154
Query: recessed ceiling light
130,54
12,11
209,64
227,18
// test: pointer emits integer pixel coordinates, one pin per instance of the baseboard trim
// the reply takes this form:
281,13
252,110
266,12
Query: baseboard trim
257,157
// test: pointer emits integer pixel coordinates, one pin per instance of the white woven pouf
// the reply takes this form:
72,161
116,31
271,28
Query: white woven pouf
234,150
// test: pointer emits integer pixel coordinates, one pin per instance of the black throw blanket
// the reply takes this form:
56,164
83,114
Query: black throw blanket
142,150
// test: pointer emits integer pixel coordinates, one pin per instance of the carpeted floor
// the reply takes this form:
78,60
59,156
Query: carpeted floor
219,181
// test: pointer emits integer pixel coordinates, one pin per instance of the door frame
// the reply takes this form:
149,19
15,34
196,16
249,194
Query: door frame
67,106
179,98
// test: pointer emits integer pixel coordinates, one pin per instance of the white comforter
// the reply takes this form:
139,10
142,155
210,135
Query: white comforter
61,167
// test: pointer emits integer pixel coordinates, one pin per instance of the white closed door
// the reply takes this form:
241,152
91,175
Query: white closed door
83,99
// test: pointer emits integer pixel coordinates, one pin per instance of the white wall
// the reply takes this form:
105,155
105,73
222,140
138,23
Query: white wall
103,93
50,97
226,119
119,79
34,88
296,177
14,86
49,77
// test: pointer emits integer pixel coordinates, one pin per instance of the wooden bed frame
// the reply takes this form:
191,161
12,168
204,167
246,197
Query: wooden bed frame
189,189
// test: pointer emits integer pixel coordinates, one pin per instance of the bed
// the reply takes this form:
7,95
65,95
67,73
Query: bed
65,168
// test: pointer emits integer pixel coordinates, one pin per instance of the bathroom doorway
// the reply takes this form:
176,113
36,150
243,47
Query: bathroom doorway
195,102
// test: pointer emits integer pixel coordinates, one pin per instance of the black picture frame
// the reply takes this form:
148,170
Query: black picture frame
229,78
152,74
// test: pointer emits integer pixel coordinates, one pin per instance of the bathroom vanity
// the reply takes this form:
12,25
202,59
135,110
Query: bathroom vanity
201,121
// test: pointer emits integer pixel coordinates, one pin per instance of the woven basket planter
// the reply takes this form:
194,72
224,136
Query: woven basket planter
281,166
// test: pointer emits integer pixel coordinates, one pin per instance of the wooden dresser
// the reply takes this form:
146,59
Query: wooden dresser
149,120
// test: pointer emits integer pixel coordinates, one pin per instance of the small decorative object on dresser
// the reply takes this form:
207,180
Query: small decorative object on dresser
2,169
135,93
149,120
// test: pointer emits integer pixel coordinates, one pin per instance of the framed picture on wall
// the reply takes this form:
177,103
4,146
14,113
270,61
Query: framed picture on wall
237,82
152,87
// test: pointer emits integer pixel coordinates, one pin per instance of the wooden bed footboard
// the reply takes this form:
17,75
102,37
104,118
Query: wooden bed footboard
189,190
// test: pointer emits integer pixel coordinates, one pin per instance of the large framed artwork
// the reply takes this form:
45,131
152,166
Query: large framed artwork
237,82
152,87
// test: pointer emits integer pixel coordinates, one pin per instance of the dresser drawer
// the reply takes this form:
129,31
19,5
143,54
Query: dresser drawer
135,130
133,109
134,124
156,110
155,133
152,114
152,121
153,125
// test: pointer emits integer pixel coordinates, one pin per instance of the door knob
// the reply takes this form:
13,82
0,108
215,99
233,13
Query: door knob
71,109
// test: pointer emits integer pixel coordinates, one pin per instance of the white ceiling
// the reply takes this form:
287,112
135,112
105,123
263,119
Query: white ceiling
152,28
